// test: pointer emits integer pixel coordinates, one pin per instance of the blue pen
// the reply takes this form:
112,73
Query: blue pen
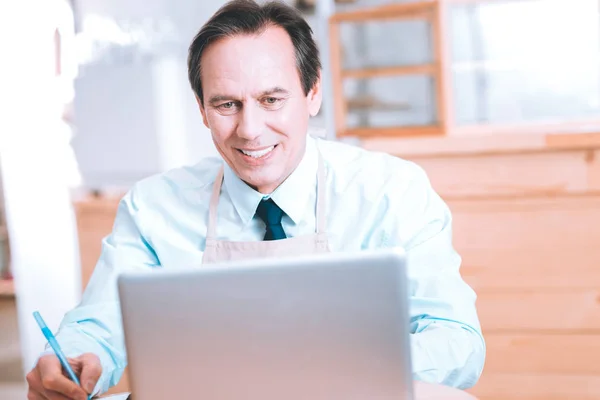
54,344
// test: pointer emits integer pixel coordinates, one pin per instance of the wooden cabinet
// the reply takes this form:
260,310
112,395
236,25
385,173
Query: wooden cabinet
95,218
370,89
444,67
526,212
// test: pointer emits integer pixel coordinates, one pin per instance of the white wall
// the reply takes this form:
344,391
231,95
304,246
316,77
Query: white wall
136,114
545,66
33,145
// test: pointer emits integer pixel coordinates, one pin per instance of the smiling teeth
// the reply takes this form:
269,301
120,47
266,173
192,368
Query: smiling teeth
259,153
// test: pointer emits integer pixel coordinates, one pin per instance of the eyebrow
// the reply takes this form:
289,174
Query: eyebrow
274,90
219,98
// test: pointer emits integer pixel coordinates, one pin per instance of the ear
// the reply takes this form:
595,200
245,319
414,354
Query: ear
202,111
315,97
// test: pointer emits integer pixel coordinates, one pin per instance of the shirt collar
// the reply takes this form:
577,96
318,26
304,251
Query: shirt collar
244,198
291,196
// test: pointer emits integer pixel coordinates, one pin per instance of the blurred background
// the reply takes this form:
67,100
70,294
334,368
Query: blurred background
498,100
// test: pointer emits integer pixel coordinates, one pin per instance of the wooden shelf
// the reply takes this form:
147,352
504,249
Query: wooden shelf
397,11
484,144
369,103
363,73
7,288
394,132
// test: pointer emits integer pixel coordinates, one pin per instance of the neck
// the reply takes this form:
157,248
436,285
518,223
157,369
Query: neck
270,188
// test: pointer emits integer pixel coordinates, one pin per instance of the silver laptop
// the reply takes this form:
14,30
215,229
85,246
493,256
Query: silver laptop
319,327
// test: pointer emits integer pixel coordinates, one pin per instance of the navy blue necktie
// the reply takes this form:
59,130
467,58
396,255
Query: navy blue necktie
271,214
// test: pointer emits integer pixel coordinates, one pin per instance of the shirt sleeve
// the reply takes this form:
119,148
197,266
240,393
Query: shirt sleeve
446,339
95,326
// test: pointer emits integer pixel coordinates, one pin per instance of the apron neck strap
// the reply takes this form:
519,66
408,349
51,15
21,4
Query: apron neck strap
213,206
320,208
321,203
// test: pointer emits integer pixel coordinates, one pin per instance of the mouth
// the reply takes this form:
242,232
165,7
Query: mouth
257,153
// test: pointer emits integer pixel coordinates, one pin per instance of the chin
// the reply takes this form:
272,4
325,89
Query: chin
264,183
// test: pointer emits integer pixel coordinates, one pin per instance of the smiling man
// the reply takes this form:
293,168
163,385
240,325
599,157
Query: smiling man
275,191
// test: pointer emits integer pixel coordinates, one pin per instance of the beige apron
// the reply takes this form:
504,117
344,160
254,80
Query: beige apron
220,250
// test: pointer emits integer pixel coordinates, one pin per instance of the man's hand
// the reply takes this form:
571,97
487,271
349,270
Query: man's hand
47,381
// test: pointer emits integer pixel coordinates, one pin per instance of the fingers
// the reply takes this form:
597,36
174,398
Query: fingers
56,396
90,372
33,395
34,381
55,383
47,380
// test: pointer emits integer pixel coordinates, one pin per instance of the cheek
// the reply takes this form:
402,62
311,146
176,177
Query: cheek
289,119
221,127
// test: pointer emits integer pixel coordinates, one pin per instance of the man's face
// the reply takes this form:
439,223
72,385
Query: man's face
255,107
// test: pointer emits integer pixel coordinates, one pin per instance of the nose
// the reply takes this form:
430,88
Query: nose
251,123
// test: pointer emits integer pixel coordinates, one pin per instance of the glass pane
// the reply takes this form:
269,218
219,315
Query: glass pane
394,101
385,43
522,96
545,67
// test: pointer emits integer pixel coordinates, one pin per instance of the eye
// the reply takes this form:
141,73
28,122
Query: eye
272,103
229,107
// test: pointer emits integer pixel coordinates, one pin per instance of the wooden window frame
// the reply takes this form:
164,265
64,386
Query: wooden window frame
429,11
434,12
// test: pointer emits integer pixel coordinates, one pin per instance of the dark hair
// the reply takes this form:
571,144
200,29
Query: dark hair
246,17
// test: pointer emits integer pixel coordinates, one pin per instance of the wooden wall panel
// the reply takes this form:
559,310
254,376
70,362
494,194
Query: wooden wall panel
533,224
527,225
563,310
517,386
524,268
540,353
527,174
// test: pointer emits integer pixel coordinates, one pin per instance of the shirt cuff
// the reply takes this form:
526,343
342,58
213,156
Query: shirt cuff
447,356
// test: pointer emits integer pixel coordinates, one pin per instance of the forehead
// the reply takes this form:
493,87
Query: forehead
247,63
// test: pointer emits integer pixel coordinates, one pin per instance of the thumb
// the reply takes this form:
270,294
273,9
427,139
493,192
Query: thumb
91,370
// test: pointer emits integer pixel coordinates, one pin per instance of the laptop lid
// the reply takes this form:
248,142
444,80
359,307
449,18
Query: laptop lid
332,326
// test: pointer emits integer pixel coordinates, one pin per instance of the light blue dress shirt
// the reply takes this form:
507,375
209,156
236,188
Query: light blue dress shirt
374,200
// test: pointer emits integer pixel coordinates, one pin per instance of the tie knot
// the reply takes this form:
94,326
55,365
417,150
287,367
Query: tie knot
269,212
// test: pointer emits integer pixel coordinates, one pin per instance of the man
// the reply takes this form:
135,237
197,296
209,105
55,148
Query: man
255,71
